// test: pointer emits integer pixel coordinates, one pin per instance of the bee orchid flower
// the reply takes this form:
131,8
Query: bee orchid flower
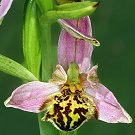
74,93
69,99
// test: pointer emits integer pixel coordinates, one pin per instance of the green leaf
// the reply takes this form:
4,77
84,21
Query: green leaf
31,46
71,11
13,68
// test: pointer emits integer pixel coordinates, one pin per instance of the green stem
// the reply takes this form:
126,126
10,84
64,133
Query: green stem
45,5
46,128
45,29
45,39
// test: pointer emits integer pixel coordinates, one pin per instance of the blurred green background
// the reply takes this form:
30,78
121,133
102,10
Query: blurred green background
113,25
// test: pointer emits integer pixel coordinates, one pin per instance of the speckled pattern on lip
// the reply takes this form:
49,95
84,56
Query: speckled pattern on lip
69,109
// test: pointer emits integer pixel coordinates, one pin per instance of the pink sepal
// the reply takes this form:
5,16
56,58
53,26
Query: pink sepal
73,49
30,96
109,109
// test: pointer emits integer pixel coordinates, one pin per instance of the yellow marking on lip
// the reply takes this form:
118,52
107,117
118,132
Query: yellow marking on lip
69,109
68,113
